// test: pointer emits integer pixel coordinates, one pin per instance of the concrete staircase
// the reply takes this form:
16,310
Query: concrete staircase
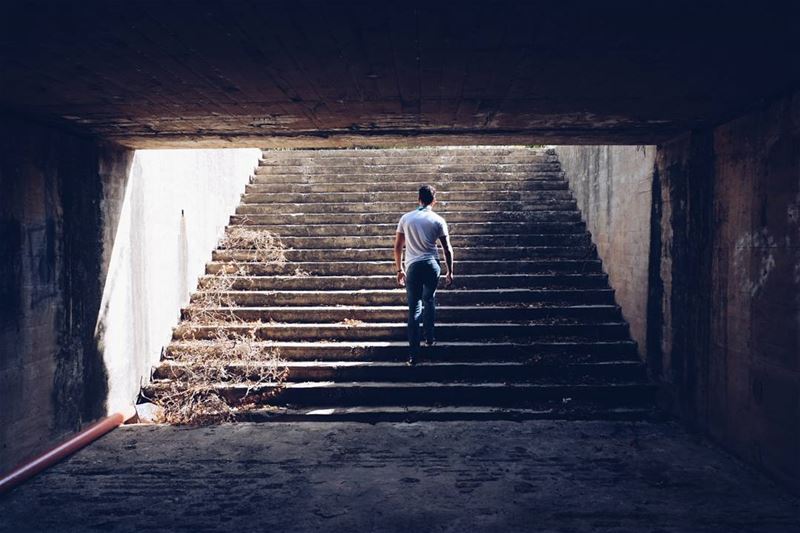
530,329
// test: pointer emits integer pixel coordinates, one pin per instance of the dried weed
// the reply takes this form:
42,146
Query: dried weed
196,390
267,246
193,395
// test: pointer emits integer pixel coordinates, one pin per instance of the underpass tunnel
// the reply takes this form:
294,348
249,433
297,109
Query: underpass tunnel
129,131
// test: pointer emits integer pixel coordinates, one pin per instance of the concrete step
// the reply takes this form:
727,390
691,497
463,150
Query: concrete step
399,313
363,393
457,297
443,186
376,157
365,268
465,222
437,155
389,168
437,371
457,240
376,254
564,351
408,196
410,179
444,208
375,331
428,151
554,410
368,229
479,281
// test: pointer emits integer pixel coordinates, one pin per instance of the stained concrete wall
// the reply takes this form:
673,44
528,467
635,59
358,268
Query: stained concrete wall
701,240
730,284
176,208
613,188
96,259
58,193
755,327
678,350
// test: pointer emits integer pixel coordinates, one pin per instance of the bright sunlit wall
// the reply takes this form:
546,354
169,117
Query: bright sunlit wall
176,206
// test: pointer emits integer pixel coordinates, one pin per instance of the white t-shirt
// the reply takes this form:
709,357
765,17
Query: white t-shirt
422,228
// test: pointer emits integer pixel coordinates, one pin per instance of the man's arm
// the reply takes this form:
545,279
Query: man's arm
448,257
399,242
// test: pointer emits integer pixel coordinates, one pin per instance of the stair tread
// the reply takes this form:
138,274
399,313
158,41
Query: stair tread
402,291
421,364
391,235
417,385
493,262
397,307
310,325
388,276
500,185
426,408
455,248
535,324
400,213
349,344
449,413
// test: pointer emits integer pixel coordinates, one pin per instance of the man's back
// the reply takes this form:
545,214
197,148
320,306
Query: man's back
422,228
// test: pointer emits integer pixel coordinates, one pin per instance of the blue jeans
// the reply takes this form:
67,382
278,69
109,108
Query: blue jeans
421,280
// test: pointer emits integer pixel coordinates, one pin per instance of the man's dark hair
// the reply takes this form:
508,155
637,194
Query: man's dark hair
426,194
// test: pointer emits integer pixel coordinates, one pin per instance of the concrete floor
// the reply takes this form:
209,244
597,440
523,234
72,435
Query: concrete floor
459,476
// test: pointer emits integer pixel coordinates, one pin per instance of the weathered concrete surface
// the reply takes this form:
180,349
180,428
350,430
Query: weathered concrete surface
59,195
176,207
495,476
613,187
341,73
679,348
94,268
717,309
754,374
725,298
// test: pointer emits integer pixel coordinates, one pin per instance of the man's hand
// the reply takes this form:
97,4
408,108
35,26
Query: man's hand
448,257
399,242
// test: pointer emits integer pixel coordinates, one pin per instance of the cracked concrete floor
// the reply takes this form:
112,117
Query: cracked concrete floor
440,476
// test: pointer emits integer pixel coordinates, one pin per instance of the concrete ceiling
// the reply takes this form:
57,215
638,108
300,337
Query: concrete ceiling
164,73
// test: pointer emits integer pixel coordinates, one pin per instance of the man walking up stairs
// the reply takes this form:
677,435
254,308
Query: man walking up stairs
419,230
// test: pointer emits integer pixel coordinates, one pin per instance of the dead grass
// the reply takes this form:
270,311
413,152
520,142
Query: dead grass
267,246
214,302
194,395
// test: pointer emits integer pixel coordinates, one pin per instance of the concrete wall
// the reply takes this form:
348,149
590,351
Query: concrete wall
678,350
701,240
755,329
96,260
176,208
613,187
730,267
58,194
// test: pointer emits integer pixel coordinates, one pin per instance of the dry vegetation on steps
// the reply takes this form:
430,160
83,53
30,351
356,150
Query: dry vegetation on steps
228,357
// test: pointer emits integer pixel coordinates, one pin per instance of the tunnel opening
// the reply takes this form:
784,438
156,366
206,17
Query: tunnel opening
299,313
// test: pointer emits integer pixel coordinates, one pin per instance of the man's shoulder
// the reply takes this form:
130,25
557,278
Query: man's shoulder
406,216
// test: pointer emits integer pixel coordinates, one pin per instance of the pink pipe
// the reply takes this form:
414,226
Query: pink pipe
27,470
